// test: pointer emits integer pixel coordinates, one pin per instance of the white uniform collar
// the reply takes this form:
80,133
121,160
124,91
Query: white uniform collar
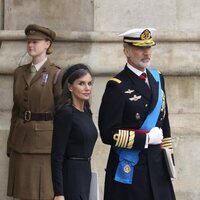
134,70
138,72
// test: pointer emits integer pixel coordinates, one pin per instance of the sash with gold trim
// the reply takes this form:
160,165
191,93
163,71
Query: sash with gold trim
128,158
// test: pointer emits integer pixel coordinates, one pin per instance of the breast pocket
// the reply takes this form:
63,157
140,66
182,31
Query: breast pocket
43,132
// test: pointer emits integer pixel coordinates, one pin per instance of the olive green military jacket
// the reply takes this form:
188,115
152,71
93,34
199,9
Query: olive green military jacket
36,96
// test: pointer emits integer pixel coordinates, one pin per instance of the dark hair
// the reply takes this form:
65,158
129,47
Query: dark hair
70,75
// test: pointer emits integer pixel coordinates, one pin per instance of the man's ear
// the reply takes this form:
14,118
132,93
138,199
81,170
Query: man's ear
126,52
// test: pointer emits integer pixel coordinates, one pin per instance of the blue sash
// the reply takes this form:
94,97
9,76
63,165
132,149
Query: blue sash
128,158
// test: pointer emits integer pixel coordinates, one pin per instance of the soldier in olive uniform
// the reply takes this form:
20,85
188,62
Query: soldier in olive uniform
133,119
36,89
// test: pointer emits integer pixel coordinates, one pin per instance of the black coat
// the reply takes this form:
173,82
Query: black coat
125,105
74,137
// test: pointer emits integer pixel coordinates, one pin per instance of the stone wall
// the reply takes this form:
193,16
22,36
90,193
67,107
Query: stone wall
88,32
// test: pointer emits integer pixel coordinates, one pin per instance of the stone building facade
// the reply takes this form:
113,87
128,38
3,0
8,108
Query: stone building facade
87,32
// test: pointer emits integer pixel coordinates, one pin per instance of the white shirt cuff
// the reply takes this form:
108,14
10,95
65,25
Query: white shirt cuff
146,142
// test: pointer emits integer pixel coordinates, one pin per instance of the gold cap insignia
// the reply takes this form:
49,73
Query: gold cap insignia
145,35
139,37
127,168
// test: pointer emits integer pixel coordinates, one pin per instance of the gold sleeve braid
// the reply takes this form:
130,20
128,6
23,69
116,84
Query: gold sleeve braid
167,142
124,138
131,139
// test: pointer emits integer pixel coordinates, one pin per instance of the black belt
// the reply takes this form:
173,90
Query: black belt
30,116
79,159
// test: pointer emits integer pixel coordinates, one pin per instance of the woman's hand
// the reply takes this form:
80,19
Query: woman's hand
59,198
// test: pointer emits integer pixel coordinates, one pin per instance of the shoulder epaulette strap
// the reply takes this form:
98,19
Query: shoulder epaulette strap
56,76
116,80
56,66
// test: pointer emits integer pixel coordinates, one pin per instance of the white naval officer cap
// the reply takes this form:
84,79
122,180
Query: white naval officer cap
139,37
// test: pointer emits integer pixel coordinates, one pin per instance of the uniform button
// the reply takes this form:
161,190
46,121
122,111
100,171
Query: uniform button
137,116
146,105
161,118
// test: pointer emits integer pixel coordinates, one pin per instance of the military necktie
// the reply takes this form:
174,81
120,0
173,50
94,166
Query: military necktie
33,70
32,73
143,76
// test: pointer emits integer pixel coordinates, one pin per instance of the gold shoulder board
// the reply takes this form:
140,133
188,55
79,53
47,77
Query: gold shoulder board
116,80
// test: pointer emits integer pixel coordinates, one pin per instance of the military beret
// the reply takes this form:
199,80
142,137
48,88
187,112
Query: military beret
140,37
34,31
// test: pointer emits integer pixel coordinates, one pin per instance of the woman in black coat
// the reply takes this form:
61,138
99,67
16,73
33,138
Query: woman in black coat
74,137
